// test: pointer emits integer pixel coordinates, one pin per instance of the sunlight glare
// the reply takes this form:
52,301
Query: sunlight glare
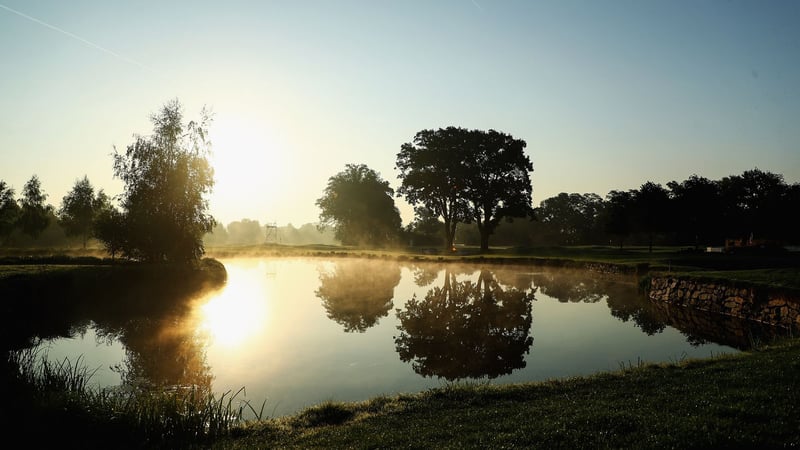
236,313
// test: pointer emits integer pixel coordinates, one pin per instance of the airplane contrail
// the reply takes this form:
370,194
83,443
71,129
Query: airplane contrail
78,38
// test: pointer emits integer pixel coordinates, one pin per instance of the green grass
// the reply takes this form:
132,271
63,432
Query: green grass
57,400
748,400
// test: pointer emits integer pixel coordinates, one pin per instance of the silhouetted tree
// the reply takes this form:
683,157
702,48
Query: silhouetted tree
754,204
359,205
109,225
77,212
433,175
356,294
9,211
467,175
497,182
698,208
616,216
651,210
34,213
575,218
167,178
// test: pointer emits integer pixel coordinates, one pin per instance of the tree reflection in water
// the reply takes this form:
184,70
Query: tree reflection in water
466,329
356,294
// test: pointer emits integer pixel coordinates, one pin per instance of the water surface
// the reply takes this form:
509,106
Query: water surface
295,332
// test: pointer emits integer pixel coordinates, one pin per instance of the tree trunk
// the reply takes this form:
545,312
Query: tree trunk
484,240
449,234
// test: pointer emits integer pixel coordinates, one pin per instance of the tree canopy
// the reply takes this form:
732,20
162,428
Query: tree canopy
34,213
9,210
359,205
467,176
79,209
167,177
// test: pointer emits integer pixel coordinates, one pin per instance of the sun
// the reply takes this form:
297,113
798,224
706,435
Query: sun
248,164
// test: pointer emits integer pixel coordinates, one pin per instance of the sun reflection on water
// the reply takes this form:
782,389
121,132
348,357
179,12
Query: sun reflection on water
239,311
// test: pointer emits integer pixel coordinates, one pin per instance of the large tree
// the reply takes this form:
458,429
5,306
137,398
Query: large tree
467,176
432,170
167,178
34,213
77,212
498,184
359,205
9,210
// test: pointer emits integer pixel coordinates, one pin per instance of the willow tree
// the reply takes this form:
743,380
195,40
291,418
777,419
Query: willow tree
167,178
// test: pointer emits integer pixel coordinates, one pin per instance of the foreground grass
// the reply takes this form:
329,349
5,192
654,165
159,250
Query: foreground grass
748,400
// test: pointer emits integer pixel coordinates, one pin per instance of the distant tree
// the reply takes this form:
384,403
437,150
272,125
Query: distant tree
77,212
9,211
359,205
245,231
34,213
651,210
698,207
617,216
574,217
433,175
109,224
753,204
497,182
217,236
167,177
426,228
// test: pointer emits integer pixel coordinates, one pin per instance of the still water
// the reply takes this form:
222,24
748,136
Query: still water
296,332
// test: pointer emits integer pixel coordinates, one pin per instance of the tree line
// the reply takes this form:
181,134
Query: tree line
162,213
465,185
752,208
469,185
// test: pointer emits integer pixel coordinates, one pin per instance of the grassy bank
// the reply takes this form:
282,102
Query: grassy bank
748,400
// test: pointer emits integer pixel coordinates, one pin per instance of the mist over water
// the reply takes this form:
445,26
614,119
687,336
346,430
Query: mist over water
295,332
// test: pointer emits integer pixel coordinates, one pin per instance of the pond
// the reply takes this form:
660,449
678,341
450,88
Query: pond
294,332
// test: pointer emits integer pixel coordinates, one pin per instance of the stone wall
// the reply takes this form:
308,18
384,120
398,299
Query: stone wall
764,305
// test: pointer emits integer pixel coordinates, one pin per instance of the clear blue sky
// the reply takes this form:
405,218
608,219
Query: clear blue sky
607,94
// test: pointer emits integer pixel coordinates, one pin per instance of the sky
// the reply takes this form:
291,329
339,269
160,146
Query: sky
606,94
